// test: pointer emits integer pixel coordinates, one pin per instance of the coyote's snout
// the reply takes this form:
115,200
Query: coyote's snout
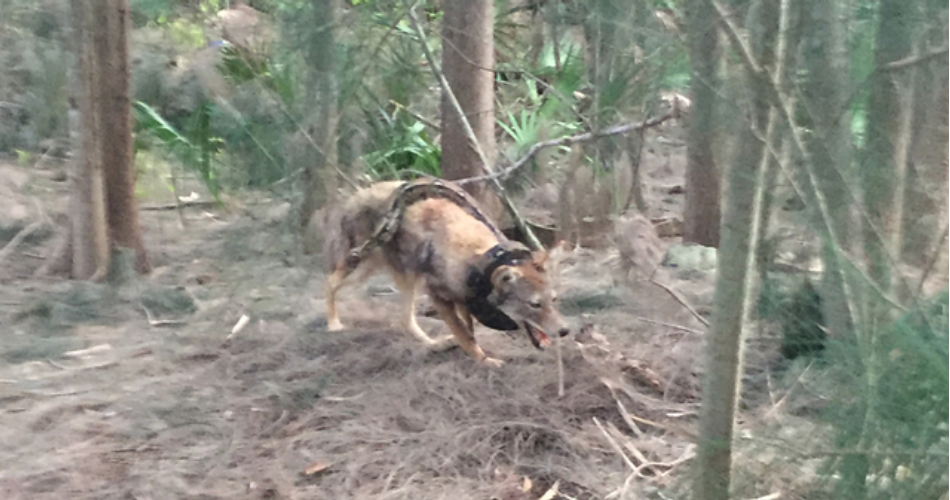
442,240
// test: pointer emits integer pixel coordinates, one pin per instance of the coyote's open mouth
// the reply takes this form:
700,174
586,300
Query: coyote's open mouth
537,335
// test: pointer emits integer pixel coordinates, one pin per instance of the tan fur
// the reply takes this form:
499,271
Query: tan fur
436,245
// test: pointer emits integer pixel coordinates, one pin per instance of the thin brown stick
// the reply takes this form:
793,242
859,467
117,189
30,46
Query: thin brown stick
180,205
668,325
567,141
15,242
681,300
615,445
914,60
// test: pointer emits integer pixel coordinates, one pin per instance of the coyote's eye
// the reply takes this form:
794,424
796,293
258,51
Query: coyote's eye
535,305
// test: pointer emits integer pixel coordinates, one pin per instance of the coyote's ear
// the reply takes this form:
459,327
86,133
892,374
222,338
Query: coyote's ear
504,276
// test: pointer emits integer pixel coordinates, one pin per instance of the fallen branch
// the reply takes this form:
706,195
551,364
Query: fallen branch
681,301
15,242
158,323
615,445
183,204
669,325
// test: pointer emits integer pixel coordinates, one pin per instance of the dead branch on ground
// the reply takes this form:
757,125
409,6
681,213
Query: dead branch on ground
15,242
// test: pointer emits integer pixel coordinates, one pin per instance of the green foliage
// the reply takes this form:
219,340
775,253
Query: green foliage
151,11
905,414
522,129
404,149
240,66
195,145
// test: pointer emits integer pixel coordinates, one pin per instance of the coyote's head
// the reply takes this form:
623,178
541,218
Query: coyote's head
524,292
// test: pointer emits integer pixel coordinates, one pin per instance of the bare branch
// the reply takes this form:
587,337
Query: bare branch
567,141
914,60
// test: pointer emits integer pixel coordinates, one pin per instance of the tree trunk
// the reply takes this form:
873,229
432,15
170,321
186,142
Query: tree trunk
825,95
888,137
701,216
89,238
103,208
722,350
467,62
882,175
735,270
925,201
320,178
115,141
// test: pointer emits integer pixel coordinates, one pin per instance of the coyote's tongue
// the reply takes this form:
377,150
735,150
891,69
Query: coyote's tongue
538,337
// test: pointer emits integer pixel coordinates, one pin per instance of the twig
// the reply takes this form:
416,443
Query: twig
627,417
912,60
236,329
567,141
180,205
930,265
669,325
552,491
496,186
425,121
159,322
560,368
770,496
615,445
681,301
15,242
798,380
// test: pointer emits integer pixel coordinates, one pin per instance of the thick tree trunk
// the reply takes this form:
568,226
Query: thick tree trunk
467,62
89,245
103,209
115,141
701,217
320,178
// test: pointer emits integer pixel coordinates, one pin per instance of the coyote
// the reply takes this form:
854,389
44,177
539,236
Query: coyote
431,233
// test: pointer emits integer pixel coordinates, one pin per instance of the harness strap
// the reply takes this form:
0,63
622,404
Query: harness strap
480,285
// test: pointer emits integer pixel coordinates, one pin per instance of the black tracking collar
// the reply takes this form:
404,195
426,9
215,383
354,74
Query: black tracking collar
480,286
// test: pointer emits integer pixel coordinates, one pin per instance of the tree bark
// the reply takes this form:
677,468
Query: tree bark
320,179
888,137
825,97
467,62
925,199
736,268
103,208
89,238
115,109
701,215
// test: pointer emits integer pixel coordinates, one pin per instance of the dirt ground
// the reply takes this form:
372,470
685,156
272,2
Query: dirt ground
142,392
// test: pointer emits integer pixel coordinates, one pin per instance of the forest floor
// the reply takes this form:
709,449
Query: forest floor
142,392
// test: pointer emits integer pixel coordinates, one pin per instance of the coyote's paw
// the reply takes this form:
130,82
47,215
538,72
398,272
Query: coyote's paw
334,326
443,343
492,362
